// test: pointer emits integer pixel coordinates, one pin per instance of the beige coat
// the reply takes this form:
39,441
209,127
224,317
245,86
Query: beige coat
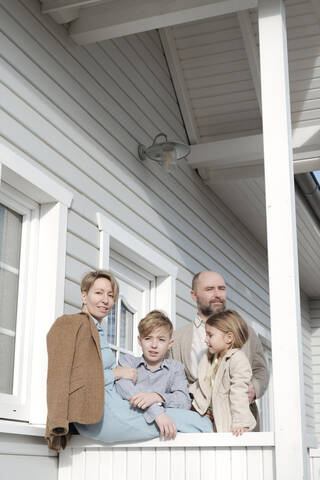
229,394
75,382
252,348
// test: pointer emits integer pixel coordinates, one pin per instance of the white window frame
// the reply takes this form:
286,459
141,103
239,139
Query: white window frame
116,237
42,285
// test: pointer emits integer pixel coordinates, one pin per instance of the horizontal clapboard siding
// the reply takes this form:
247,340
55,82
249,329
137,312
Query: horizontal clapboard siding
315,345
307,363
80,113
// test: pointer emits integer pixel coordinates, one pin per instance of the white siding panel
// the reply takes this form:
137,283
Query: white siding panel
315,348
79,113
189,463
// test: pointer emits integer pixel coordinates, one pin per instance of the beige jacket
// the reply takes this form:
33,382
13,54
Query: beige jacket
75,382
229,395
181,349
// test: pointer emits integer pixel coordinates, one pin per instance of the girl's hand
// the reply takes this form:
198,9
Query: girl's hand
125,372
166,426
239,431
145,399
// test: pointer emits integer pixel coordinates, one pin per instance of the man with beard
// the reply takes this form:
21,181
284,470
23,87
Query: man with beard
209,292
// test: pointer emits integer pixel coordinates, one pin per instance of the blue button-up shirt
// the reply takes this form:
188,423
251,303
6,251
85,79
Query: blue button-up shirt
169,381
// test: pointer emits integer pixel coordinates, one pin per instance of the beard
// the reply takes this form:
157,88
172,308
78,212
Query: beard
210,309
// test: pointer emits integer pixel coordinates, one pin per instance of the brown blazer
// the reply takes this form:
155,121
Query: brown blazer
75,382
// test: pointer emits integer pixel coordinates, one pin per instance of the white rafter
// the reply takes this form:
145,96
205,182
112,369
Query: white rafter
226,157
251,50
118,18
170,49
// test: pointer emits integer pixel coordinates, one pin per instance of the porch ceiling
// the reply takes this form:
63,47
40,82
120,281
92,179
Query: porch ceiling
214,62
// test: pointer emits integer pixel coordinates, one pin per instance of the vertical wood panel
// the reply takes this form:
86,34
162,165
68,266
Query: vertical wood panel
134,464
92,465
192,463
207,462
268,464
178,464
223,464
254,464
78,464
119,467
163,463
66,465
106,464
238,464
148,464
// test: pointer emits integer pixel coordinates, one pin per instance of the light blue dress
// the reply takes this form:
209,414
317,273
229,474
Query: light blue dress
121,422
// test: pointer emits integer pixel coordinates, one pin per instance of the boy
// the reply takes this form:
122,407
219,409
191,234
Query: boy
161,384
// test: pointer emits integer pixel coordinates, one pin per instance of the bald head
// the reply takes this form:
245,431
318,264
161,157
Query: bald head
209,292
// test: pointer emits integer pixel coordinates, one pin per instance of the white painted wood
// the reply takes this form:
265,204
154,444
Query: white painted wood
282,249
252,439
116,19
239,463
21,174
178,464
169,46
148,464
223,463
66,460
251,50
49,297
248,150
192,463
28,467
78,460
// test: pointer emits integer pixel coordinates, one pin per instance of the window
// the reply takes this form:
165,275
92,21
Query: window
10,246
33,214
120,324
146,279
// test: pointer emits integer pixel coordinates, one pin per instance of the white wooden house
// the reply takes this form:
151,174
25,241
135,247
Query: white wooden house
83,83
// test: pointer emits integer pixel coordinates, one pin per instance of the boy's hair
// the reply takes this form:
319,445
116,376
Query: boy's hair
90,277
230,321
154,319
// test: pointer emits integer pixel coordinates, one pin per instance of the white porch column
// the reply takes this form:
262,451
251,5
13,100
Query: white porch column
291,453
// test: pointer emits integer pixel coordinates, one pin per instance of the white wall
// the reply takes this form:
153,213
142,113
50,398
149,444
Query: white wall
79,113
315,343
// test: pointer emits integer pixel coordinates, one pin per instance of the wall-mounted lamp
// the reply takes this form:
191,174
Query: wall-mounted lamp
166,153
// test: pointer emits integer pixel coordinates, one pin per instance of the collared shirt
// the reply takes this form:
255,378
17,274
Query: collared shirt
169,381
198,347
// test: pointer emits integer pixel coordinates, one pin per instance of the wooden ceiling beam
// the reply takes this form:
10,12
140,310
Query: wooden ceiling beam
248,152
251,51
118,18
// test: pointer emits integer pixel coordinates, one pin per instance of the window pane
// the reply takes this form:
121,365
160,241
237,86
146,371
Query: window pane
10,245
10,237
112,326
126,327
8,299
6,363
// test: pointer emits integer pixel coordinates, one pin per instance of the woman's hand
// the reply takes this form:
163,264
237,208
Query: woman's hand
126,372
239,431
145,399
166,426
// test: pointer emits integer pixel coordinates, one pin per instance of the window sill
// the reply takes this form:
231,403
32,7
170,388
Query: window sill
21,428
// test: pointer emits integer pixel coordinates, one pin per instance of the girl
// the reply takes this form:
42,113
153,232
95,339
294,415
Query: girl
224,375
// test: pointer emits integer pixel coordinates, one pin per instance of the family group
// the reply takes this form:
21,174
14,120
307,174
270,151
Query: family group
204,377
